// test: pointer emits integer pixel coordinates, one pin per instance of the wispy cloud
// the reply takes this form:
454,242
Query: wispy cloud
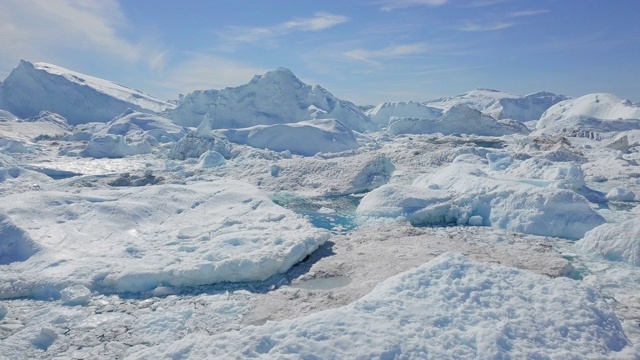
469,26
235,36
527,13
205,71
483,3
389,5
35,27
396,51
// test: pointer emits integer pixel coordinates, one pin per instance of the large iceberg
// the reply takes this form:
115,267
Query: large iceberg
277,97
80,98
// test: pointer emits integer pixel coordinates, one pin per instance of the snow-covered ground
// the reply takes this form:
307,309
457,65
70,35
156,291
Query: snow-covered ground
304,231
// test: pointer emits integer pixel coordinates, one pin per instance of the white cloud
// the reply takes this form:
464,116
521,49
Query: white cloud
475,27
390,5
527,13
238,35
370,56
40,28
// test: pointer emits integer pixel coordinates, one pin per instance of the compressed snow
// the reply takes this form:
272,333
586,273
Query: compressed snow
136,239
302,138
114,146
450,307
459,119
616,242
277,97
31,88
137,126
461,190
620,194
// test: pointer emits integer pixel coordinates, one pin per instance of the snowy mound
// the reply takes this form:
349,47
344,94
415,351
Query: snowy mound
501,105
44,126
138,238
463,193
382,113
616,242
113,146
459,119
138,126
305,138
31,88
277,97
448,308
590,113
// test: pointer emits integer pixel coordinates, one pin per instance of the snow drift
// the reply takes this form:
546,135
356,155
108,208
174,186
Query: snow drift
277,97
31,88
138,238
450,307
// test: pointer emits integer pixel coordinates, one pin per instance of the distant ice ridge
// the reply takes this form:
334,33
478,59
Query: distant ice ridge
464,190
139,238
305,138
589,115
450,307
615,242
277,97
382,113
501,105
459,119
80,98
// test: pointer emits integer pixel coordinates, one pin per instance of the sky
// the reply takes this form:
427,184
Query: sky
364,51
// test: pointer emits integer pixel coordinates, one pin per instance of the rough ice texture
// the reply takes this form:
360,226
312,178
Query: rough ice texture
136,239
620,193
591,113
136,125
382,113
501,105
448,308
31,88
461,190
459,119
114,146
616,242
305,138
277,97
194,146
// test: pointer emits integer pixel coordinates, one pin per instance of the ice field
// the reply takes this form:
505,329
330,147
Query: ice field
275,221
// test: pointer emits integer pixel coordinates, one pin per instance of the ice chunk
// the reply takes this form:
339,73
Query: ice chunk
617,242
450,307
620,193
75,295
211,159
45,338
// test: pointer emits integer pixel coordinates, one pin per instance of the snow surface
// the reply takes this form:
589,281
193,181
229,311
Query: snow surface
450,307
277,97
616,242
383,112
80,98
134,239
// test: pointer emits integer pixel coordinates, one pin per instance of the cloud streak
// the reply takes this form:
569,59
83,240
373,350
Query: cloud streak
396,51
527,13
469,26
237,35
390,5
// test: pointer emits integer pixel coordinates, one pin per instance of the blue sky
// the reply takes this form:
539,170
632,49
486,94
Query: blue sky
363,51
